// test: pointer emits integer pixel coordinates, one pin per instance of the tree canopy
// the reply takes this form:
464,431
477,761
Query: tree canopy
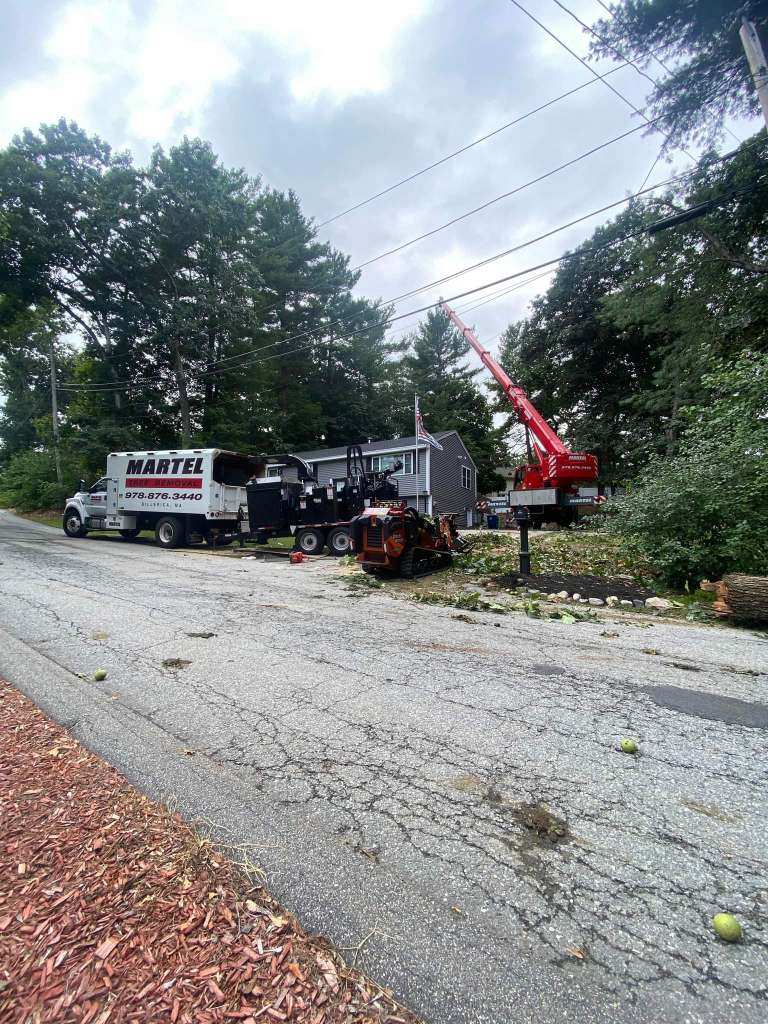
709,78
206,309
620,343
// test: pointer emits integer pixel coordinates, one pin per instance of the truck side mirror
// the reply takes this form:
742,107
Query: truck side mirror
81,485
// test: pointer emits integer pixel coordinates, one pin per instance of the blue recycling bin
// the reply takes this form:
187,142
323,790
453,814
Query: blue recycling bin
493,522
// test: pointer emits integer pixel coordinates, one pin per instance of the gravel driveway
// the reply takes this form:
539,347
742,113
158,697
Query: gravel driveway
450,792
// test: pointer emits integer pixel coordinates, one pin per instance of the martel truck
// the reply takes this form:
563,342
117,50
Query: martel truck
195,494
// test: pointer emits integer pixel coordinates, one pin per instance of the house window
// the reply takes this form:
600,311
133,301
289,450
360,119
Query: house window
273,471
381,462
466,477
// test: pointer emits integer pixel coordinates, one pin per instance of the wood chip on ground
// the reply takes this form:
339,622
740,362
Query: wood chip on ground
113,909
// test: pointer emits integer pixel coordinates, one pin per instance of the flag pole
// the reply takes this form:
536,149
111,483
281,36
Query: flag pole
416,432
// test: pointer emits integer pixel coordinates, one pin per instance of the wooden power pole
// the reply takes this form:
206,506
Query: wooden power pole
750,40
55,415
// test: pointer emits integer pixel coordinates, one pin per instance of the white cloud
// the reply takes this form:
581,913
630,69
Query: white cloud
340,48
162,68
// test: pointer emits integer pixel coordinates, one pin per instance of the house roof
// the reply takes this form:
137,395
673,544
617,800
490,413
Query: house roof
392,444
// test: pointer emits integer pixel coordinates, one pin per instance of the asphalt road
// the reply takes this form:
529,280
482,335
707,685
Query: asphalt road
384,761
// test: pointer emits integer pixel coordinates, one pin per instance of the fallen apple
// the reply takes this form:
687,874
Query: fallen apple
727,927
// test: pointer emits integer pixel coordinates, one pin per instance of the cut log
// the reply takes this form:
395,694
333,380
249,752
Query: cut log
746,597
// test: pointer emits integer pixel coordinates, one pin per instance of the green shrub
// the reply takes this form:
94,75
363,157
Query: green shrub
703,512
28,481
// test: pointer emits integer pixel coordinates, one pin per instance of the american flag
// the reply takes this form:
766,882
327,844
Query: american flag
422,434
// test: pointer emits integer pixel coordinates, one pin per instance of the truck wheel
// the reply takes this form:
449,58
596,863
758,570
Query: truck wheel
129,534
311,541
339,541
169,532
73,524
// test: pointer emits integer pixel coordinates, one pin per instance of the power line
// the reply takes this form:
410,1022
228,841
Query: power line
505,195
387,321
414,175
523,245
605,42
115,385
628,60
446,158
576,56
649,123
470,145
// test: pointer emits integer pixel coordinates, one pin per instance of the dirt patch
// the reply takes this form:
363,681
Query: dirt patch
175,663
454,648
469,784
711,811
587,586
540,821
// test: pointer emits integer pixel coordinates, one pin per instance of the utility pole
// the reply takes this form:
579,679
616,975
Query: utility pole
754,51
55,414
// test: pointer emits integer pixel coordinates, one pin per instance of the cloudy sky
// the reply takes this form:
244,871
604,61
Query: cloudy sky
342,98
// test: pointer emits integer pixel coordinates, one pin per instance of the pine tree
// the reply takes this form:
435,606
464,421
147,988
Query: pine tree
436,370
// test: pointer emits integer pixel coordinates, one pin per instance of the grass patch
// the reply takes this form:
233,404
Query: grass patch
46,517
284,543
577,552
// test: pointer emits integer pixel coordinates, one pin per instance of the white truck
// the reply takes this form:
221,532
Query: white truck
189,495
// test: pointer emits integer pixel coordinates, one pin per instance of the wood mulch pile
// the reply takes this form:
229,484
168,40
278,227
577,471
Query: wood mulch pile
112,909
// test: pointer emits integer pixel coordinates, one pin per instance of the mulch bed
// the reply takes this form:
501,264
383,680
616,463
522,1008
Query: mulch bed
112,909
587,586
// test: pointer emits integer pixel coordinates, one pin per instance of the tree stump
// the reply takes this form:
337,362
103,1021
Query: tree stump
743,597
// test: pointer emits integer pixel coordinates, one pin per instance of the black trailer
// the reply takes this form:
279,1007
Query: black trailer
317,515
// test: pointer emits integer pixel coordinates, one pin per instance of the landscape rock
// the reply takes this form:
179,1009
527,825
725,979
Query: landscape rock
612,601
577,597
657,602
552,597
626,604
637,603
595,601
563,595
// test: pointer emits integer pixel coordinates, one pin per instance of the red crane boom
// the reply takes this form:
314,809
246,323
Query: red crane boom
556,465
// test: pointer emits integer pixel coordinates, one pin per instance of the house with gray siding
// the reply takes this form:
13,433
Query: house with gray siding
447,479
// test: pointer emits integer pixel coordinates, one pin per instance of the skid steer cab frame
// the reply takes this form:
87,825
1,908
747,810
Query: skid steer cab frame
401,541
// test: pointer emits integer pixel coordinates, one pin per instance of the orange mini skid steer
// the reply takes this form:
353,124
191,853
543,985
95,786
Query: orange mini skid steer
400,541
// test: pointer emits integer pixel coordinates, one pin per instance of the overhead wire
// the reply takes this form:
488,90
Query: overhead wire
519,188
116,385
505,195
553,35
628,60
416,174
388,320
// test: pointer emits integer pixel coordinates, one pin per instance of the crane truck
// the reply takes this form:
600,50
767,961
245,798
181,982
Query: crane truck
548,484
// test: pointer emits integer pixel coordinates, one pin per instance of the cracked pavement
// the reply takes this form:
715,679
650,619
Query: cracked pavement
380,759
